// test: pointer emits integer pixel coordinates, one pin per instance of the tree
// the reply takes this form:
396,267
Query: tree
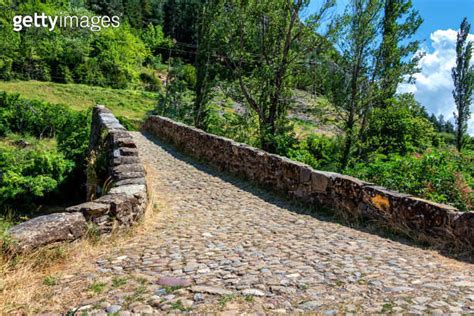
463,77
107,7
357,39
262,42
400,23
392,60
205,38
400,128
180,18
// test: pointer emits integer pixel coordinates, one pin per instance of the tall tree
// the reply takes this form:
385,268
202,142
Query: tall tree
205,50
463,77
395,60
263,41
400,23
106,7
357,40
180,18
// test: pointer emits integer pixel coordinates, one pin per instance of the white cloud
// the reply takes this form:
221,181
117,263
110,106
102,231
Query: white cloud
434,85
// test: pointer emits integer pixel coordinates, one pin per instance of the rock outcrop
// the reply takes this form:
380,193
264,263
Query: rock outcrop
47,229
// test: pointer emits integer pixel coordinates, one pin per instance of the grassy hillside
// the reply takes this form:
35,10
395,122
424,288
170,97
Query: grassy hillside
132,104
310,114
314,115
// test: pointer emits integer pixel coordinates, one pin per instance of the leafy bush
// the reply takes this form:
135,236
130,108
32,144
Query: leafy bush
318,151
399,128
150,81
177,100
439,175
40,119
30,169
43,148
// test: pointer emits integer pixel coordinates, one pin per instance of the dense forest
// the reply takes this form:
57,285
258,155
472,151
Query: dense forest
320,88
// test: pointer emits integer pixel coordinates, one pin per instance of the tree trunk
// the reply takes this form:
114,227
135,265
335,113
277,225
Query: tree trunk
348,140
267,133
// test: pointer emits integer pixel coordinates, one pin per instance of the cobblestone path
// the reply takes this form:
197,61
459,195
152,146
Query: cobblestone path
221,245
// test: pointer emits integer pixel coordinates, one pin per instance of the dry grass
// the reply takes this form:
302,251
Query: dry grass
26,281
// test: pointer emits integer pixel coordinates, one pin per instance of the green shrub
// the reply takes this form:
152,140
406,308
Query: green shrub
30,169
150,81
319,151
42,150
398,128
438,175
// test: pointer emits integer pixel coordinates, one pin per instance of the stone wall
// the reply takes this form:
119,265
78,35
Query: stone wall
117,193
439,225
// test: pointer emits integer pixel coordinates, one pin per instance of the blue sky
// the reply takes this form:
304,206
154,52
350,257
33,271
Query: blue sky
438,35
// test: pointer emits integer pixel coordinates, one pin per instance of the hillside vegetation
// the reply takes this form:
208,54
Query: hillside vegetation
132,104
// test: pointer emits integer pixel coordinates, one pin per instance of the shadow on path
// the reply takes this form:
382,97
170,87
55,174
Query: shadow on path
321,214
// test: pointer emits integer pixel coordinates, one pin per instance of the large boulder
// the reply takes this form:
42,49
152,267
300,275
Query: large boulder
47,229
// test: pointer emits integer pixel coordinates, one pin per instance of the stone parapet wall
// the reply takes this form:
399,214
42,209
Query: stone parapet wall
116,177
117,193
439,225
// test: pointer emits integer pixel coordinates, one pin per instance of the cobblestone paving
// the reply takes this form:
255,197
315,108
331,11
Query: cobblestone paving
222,246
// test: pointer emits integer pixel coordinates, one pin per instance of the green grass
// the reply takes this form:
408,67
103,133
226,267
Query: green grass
132,104
119,282
97,287
50,280
27,143
7,220
178,305
223,300
137,295
171,289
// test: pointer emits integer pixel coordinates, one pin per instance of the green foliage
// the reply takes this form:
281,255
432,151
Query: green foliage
42,148
150,81
137,12
116,65
176,101
320,152
398,128
111,57
50,280
154,38
438,175
260,42
463,78
399,24
223,120
30,172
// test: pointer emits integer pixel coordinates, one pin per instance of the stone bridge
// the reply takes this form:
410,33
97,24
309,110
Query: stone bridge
221,239
221,244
